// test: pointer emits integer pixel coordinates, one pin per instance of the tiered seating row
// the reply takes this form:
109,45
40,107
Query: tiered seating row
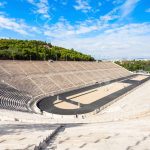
45,78
13,99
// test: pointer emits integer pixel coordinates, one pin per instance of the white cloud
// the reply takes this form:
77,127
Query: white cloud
15,25
82,5
98,8
12,24
99,4
118,1
148,10
2,4
128,7
102,39
63,2
41,7
63,28
120,12
93,36
110,41
2,13
112,15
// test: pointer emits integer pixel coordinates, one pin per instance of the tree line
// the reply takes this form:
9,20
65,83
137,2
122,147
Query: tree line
38,50
135,65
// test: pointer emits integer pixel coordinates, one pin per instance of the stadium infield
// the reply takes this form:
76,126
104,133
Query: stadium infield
88,99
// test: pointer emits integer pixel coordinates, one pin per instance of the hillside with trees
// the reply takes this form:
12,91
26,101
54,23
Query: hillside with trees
135,65
38,50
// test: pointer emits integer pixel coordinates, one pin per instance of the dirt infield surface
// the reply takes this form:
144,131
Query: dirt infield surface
85,101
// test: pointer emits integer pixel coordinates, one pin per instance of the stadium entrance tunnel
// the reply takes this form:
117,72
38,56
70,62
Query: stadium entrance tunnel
82,101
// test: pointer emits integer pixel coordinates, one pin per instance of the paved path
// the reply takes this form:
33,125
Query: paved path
47,104
125,125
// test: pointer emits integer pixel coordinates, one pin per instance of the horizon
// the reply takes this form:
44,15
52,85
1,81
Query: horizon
117,29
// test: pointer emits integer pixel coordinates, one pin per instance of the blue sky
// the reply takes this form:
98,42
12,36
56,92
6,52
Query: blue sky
103,28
